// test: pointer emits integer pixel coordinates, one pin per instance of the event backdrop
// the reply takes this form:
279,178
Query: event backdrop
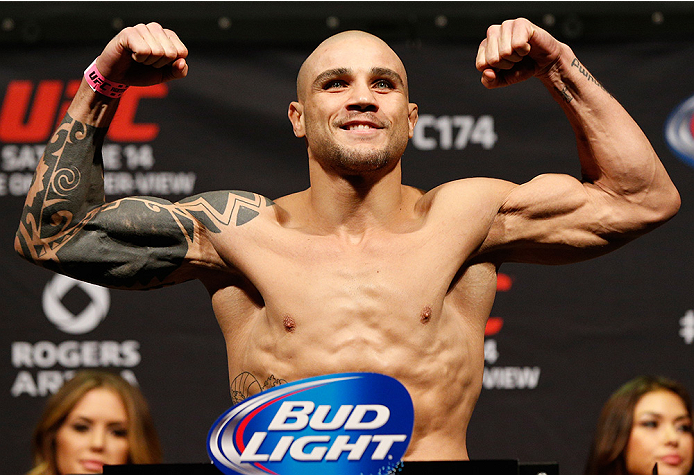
564,336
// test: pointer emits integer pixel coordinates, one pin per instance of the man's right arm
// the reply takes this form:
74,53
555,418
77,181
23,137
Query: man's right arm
66,225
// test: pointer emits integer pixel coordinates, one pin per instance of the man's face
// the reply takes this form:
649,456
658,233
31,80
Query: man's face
353,105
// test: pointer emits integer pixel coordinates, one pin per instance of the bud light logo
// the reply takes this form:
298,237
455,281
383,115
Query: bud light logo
679,131
339,424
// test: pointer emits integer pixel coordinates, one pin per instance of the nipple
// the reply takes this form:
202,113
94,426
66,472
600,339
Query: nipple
425,316
289,324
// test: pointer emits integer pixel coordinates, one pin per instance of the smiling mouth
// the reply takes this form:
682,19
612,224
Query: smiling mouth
360,122
359,127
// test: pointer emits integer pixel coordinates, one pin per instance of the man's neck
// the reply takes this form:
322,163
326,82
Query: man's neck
352,204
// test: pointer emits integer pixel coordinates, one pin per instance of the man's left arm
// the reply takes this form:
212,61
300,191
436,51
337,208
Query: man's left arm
624,191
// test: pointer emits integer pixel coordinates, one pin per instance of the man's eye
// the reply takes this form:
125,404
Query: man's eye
335,83
383,84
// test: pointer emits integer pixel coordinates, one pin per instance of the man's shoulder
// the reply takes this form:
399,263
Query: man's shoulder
468,191
222,198
223,208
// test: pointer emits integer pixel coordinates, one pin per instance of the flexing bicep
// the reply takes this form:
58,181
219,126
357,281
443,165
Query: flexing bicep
146,242
135,242
554,219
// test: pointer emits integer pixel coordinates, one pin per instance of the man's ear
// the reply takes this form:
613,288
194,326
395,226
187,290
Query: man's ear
296,117
412,117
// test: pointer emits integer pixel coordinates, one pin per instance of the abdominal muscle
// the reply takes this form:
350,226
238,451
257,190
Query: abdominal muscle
431,345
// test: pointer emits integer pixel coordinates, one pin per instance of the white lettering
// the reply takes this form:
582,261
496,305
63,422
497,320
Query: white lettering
46,382
165,183
130,353
23,384
139,157
21,354
297,448
419,139
44,354
49,381
17,158
19,183
341,444
111,154
118,183
491,353
316,454
109,354
465,124
149,183
90,354
356,419
73,354
250,453
454,132
385,442
511,377
286,411
129,376
3,184
281,448
483,133
318,418
69,354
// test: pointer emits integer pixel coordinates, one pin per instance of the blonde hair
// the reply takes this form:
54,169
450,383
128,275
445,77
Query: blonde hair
143,441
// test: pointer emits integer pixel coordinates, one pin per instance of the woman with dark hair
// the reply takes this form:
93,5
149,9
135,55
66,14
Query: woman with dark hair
96,418
646,422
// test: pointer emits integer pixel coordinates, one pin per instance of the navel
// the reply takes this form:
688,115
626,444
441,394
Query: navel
289,324
425,316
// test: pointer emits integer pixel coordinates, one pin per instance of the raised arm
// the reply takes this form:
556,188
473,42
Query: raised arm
624,190
67,226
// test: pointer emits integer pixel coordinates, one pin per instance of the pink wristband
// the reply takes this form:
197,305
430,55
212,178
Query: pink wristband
100,84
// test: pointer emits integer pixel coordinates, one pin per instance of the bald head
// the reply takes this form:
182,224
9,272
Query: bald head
337,51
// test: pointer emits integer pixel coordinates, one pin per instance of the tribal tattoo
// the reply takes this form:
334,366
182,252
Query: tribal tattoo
134,242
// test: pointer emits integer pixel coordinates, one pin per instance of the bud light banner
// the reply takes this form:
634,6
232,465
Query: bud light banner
679,131
349,423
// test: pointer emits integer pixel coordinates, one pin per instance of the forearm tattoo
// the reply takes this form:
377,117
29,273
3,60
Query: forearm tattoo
575,63
63,188
245,384
135,242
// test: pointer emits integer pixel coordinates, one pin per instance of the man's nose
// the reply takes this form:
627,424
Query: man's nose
362,98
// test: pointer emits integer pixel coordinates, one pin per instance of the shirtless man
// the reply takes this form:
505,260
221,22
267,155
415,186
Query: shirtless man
358,272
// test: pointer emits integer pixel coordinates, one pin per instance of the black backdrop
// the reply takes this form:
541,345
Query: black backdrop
568,335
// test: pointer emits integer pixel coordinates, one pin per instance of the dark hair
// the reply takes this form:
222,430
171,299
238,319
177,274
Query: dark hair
616,420
142,436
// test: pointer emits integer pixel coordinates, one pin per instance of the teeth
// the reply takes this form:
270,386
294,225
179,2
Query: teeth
359,127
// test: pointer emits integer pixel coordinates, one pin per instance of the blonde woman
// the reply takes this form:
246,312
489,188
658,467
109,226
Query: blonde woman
97,418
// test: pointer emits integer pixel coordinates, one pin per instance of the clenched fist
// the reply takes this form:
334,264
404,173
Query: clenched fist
143,55
514,51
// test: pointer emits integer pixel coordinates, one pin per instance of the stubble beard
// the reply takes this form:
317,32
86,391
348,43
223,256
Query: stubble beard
355,161
359,160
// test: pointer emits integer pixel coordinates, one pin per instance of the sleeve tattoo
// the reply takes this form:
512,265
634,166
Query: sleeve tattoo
134,242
